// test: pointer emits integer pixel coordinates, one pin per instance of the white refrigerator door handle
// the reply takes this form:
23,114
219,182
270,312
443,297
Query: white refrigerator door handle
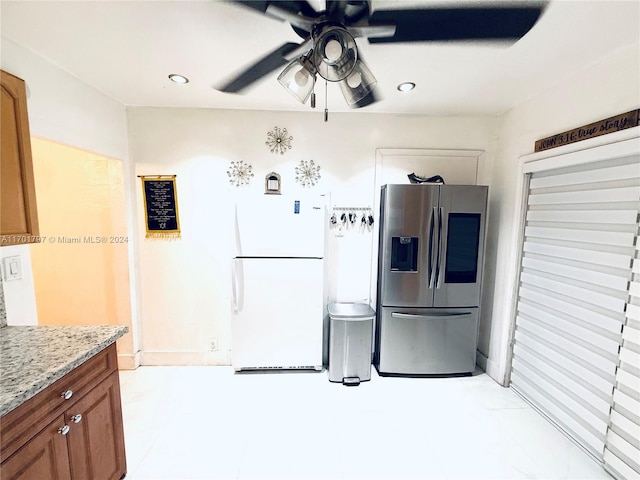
234,287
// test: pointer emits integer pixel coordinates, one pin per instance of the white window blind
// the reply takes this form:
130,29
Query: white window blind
622,449
580,231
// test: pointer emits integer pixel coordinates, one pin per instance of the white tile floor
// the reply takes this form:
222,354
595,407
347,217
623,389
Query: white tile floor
209,423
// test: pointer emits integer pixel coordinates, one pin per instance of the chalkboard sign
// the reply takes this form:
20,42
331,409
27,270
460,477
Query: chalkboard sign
161,206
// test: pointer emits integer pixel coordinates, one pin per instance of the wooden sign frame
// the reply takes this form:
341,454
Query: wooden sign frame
602,127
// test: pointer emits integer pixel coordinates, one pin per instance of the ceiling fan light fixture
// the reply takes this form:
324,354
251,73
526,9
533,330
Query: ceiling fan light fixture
332,51
299,78
358,85
335,52
354,80
177,78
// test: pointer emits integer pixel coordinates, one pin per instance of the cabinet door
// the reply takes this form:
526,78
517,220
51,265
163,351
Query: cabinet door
96,438
18,215
44,457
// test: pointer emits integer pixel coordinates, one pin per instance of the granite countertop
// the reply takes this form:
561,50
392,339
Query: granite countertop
32,358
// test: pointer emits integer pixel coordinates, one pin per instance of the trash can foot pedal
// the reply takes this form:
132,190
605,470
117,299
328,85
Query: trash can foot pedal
351,381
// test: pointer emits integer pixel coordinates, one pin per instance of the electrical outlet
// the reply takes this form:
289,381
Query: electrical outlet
213,345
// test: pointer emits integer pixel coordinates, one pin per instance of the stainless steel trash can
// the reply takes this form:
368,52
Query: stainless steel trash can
350,342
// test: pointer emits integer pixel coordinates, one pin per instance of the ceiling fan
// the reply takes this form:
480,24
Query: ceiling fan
329,48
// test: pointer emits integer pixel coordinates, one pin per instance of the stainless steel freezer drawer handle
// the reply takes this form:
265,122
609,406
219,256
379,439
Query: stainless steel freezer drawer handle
415,315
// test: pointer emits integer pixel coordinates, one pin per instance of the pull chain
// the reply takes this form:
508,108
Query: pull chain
313,96
326,109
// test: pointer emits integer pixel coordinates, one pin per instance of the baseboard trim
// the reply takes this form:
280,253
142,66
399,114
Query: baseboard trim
481,360
181,358
491,368
128,361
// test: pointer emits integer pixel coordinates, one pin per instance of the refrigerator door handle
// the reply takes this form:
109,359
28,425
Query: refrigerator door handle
234,287
442,251
433,240
429,316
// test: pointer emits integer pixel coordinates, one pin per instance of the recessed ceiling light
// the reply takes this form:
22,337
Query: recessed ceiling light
406,86
174,77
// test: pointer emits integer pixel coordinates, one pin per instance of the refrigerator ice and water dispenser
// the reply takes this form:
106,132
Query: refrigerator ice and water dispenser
404,254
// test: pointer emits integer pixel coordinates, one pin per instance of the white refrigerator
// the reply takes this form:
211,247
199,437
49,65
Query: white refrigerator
278,283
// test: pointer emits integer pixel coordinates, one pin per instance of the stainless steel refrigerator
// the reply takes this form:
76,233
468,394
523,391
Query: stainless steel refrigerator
429,278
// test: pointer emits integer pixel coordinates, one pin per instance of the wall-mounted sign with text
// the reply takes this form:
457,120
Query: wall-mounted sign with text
161,206
602,127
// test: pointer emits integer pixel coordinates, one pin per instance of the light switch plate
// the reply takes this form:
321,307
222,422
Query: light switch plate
12,268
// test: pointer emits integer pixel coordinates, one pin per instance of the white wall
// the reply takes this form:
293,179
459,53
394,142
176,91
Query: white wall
63,109
607,88
185,284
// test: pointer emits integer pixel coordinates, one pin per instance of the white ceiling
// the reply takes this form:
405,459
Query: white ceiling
126,49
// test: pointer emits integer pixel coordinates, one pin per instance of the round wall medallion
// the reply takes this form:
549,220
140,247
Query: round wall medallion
278,140
240,173
307,173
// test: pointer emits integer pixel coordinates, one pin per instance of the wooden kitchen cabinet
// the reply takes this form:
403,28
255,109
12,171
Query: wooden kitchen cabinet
92,445
45,456
18,212
96,446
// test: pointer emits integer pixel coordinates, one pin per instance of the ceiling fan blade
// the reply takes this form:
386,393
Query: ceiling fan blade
298,13
277,58
296,20
257,5
467,23
371,31
292,6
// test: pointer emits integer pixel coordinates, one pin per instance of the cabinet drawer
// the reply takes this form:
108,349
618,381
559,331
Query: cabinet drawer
22,423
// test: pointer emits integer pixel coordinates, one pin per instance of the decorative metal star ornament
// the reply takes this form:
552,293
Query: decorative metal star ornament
278,140
240,173
307,173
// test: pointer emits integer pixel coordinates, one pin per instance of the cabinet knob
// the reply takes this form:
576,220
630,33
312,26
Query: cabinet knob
77,418
67,395
64,430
